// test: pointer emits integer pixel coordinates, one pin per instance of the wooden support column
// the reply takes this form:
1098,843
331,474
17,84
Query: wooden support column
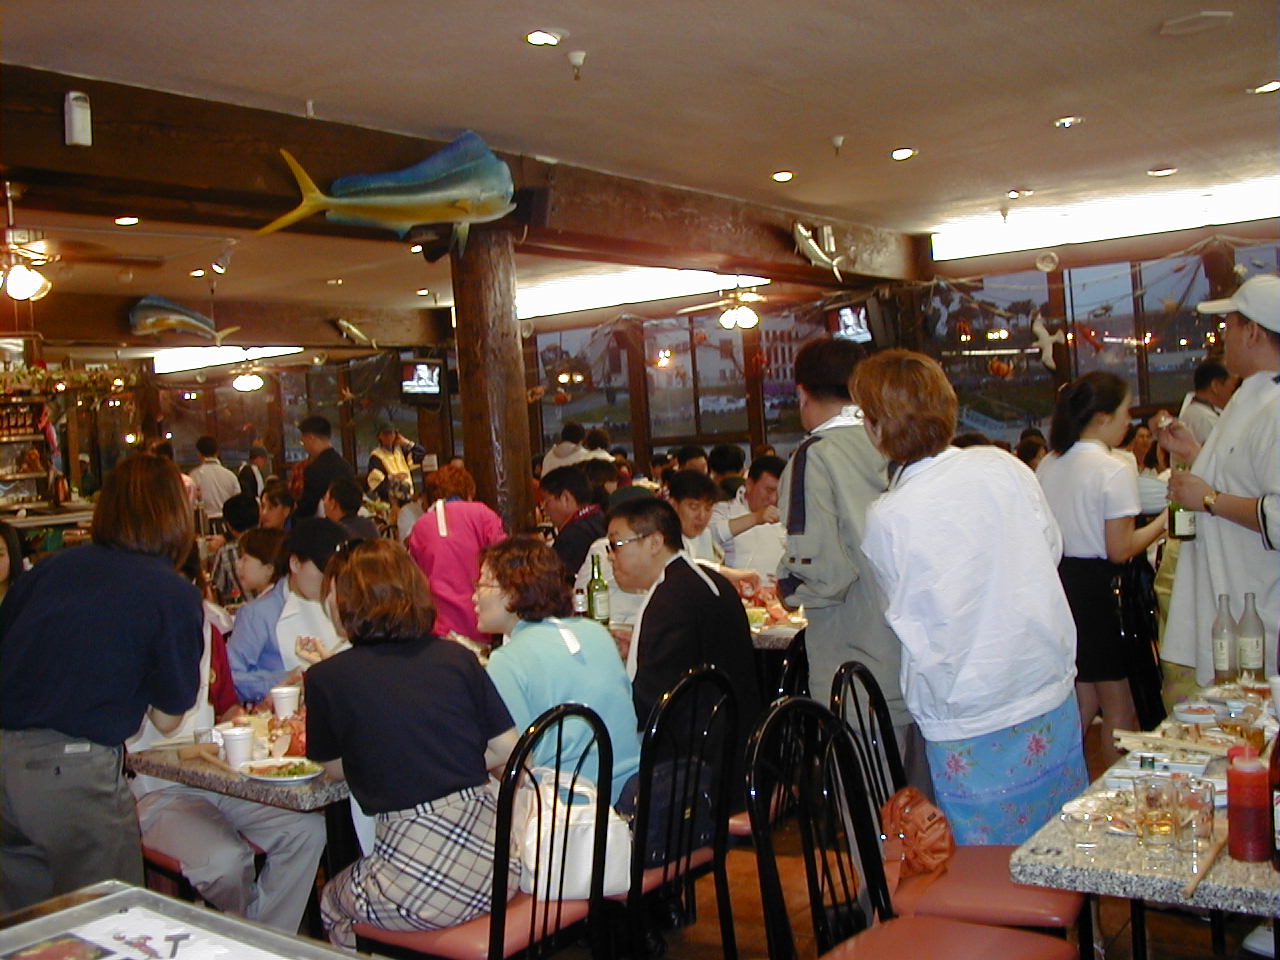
495,421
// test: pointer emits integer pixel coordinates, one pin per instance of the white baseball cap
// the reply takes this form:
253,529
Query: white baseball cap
1258,299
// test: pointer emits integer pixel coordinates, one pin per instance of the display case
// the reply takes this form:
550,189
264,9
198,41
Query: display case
24,453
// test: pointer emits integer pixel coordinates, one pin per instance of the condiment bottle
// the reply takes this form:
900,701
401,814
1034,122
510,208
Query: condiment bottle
1249,830
579,602
1223,638
1275,805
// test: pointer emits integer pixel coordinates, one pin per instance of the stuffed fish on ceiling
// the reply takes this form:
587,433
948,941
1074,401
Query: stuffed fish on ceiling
461,184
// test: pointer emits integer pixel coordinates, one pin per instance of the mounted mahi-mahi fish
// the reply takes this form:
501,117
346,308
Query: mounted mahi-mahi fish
154,314
462,184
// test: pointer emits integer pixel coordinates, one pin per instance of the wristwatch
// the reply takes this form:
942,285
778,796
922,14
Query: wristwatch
1210,499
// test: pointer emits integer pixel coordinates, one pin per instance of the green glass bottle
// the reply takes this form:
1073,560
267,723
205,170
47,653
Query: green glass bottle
597,593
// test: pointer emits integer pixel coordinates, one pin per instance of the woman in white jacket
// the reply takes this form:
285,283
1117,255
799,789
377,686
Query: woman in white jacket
966,551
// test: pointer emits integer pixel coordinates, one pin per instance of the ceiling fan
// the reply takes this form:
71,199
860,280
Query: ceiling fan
736,307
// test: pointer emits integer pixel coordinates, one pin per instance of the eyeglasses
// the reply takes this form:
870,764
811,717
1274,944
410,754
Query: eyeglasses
613,546
488,585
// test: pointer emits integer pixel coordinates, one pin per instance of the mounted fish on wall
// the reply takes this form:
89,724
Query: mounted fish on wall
461,184
153,314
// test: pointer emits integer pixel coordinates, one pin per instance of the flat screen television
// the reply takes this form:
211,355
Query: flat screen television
422,382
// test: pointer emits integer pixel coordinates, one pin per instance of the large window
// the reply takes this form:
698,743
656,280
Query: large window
984,334
584,377
781,337
696,379
1175,338
307,392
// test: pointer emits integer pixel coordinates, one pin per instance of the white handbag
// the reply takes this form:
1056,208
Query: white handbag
542,841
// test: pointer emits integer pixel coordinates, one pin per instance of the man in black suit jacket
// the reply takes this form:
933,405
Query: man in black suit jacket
692,617
326,465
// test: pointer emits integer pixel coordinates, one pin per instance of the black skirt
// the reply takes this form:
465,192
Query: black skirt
1090,587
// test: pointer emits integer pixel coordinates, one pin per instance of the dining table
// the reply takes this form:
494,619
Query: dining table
321,793
1118,866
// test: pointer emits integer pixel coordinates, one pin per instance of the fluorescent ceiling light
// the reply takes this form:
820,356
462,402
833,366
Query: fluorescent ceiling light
611,288
1032,228
175,359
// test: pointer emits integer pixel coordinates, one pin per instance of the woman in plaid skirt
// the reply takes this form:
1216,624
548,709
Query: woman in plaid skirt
414,724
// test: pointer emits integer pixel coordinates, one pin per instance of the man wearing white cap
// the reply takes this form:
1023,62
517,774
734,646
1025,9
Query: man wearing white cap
1232,482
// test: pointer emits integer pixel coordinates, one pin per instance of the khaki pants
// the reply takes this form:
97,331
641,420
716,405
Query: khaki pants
67,817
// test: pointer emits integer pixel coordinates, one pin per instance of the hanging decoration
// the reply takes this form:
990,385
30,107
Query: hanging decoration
461,184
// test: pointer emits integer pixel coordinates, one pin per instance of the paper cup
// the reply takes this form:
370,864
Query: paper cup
237,743
285,700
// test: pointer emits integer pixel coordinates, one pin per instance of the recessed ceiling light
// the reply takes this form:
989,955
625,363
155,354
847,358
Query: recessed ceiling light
1271,86
1017,193
423,292
1066,123
903,153
127,221
416,248
197,273
1162,171
334,282
544,38
782,176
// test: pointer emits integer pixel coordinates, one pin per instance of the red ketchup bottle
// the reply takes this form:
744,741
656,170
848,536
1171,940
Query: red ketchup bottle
1249,832
1275,803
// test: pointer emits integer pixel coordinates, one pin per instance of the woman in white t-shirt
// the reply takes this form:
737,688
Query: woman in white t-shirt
1094,497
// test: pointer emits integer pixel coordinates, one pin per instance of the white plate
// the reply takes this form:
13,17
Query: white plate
276,763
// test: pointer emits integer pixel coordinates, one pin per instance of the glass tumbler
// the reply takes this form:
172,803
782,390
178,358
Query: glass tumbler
1194,799
1154,804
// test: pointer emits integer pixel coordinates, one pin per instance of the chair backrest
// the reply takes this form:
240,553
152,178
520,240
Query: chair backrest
856,698
800,747
685,786
793,679
551,820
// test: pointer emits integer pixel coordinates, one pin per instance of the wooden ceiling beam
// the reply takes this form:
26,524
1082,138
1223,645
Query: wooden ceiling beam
173,158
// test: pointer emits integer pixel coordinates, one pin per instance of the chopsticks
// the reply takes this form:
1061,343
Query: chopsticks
1136,738
1219,841
205,751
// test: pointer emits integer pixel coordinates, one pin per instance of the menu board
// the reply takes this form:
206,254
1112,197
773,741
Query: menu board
137,933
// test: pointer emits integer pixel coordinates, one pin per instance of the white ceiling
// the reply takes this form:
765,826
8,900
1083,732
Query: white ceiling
710,96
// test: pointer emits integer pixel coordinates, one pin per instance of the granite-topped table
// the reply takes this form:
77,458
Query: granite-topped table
322,793
1119,867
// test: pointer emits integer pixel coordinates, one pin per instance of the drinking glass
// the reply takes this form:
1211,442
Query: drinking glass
1194,798
1156,818
1085,827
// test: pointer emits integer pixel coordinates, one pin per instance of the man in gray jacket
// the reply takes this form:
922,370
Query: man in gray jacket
832,478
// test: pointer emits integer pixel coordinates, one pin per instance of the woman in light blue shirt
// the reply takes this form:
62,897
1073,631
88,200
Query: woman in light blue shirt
549,657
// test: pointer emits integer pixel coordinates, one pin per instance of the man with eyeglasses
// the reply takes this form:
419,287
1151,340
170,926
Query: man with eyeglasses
691,615
1232,483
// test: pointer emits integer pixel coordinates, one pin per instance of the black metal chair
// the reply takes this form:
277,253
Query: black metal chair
794,678
792,681
683,803
803,749
976,885
532,924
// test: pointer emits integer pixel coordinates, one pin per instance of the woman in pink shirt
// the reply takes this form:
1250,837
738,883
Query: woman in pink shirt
446,543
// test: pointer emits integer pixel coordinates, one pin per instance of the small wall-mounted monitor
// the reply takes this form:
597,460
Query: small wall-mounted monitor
851,324
422,382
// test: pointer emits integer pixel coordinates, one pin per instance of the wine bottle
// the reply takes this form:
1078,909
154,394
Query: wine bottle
1249,642
1223,637
597,593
